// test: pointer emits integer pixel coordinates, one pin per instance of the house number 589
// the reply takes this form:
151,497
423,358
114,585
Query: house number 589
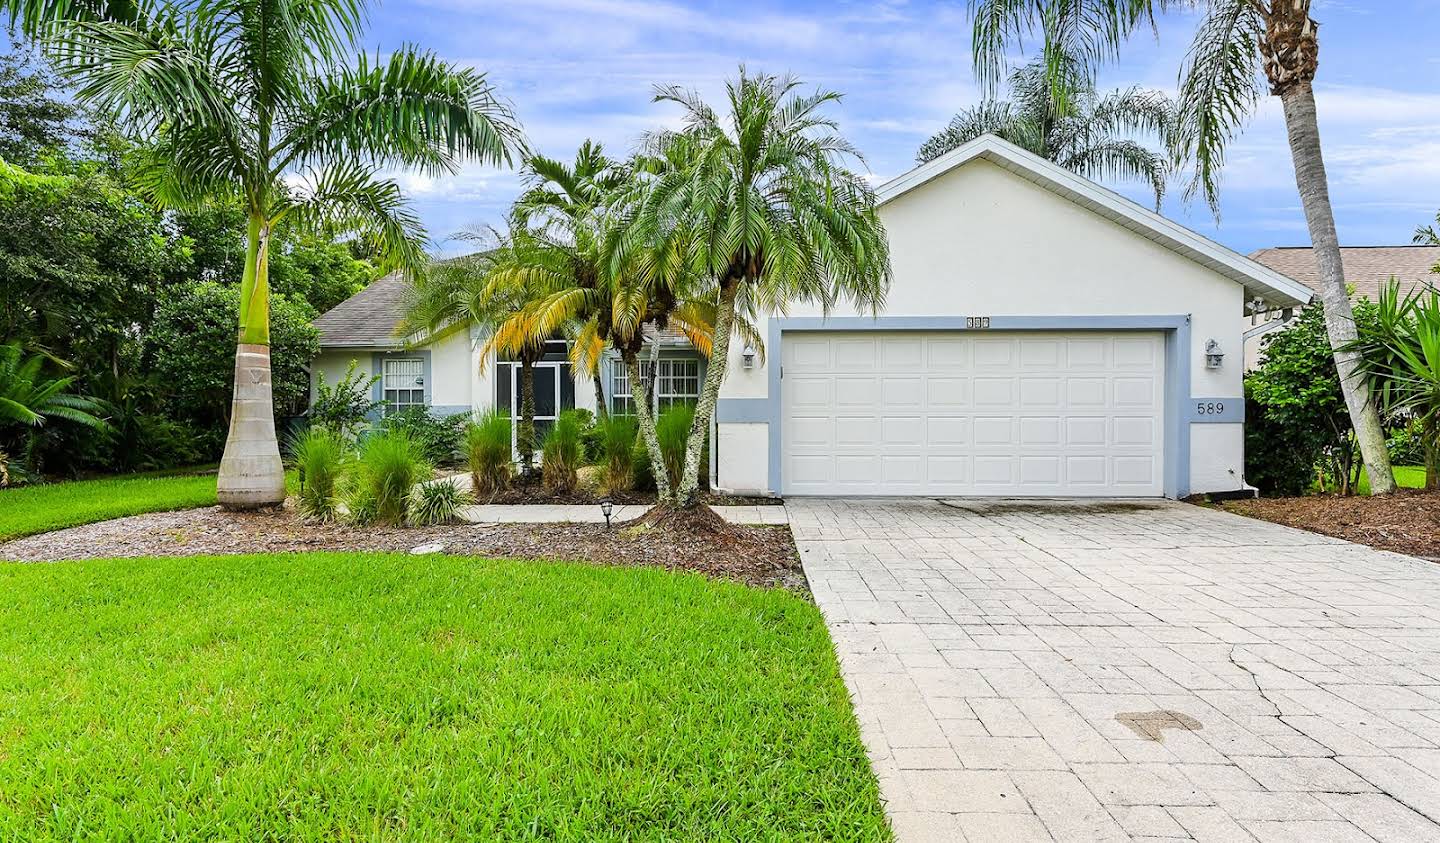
1210,408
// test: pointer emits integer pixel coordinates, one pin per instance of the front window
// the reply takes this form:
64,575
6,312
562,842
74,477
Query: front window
677,382
404,383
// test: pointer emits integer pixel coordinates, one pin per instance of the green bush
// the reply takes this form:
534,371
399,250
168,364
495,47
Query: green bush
391,463
346,405
1406,445
1270,465
562,455
487,451
616,437
642,477
437,436
673,430
437,502
320,456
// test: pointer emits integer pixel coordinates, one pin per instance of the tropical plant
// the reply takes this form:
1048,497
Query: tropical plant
437,502
391,464
1097,136
29,397
563,455
438,436
1236,42
756,204
320,456
348,404
239,99
487,451
490,290
617,450
1401,358
672,428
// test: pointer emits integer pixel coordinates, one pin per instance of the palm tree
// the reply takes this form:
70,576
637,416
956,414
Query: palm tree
565,204
237,99
491,290
1236,42
1086,133
758,203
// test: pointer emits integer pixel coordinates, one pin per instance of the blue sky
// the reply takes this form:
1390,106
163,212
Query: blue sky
585,68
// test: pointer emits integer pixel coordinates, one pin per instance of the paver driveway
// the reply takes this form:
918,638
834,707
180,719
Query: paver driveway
1012,664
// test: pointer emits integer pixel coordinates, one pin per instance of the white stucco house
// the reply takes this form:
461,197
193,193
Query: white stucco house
1043,336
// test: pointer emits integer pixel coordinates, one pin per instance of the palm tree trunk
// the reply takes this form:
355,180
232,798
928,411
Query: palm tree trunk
647,429
601,410
709,394
525,433
1298,100
251,473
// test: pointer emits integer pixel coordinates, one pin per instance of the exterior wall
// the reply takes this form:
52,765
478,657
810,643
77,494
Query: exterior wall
981,241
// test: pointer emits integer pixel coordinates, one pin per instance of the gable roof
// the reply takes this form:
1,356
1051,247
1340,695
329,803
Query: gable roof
367,319
1367,268
1259,281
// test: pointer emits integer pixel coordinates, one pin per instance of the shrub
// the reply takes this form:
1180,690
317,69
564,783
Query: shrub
346,406
616,437
391,463
1406,445
319,456
1270,465
437,502
561,454
642,476
673,431
437,436
487,450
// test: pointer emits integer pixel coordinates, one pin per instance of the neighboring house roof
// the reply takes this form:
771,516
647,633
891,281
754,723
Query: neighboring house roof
1259,281
1367,268
367,319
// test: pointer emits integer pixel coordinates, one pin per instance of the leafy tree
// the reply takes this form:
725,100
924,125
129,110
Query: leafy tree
1236,43
187,347
34,120
756,204
1085,132
1297,390
235,95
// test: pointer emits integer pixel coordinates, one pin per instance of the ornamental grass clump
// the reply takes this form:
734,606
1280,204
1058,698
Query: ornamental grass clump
437,502
673,431
487,451
562,453
391,464
617,436
320,457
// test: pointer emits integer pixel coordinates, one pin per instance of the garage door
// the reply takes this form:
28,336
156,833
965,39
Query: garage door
969,413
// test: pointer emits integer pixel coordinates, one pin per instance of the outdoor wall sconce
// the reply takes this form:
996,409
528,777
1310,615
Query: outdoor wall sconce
605,509
1213,354
747,357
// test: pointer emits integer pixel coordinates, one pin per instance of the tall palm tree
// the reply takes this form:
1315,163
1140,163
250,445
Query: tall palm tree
566,204
1236,43
761,205
491,290
1093,135
238,98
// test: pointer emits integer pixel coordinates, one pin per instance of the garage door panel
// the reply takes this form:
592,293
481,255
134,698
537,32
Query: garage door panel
1002,413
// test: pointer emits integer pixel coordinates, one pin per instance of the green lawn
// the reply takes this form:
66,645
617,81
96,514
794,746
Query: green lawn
27,510
1408,476
382,696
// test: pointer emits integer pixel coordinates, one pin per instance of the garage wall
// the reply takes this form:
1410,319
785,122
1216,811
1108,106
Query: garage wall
982,241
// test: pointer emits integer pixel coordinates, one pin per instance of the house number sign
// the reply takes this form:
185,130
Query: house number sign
1209,408
977,321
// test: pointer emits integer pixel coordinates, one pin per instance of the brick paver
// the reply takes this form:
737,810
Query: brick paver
1011,661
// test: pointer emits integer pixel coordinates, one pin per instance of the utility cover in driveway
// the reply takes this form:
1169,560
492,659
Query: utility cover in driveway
973,413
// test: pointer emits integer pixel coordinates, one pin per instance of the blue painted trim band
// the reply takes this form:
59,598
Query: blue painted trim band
1214,411
743,411
1177,368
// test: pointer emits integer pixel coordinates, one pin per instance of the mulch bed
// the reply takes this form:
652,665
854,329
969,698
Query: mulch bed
534,493
762,556
1405,522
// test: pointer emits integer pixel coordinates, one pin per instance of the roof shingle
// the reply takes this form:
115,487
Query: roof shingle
368,318
1367,268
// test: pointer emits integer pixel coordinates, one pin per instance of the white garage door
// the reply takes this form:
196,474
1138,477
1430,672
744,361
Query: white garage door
970,413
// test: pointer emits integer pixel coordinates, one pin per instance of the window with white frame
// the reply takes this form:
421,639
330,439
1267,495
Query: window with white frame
677,382
403,381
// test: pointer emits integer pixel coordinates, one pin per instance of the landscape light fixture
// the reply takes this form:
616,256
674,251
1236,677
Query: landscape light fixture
605,508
